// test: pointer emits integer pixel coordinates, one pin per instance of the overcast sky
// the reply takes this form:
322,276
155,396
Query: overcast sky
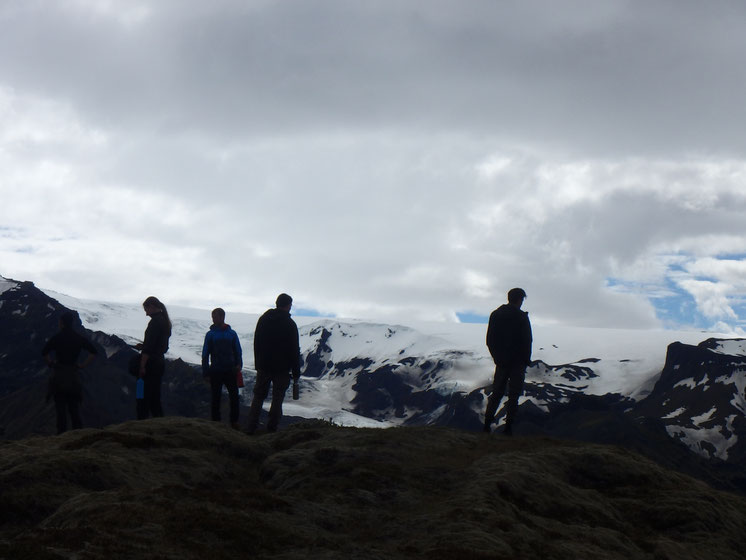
388,160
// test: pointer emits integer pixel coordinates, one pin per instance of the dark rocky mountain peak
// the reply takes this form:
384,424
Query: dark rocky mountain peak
28,318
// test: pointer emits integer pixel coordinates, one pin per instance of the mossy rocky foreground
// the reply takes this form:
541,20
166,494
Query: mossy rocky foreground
176,488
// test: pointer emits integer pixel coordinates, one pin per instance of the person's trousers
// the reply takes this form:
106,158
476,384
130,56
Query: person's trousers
280,381
65,388
150,405
217,380
510,378
65,403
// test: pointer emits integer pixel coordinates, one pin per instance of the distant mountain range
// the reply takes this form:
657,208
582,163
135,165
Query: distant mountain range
683,407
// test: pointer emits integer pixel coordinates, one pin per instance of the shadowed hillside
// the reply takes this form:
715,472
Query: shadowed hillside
177,488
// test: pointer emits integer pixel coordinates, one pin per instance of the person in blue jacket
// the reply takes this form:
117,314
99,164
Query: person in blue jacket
222,361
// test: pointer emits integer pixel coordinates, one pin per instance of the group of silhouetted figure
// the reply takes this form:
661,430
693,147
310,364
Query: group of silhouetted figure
276,359
277,362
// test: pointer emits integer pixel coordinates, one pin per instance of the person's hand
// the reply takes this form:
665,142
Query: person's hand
142,371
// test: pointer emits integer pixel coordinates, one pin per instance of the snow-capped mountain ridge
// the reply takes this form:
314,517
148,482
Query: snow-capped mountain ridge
597,361
666,400
364,373
623,360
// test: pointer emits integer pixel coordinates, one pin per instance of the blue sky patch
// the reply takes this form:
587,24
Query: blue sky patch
471,317
304,312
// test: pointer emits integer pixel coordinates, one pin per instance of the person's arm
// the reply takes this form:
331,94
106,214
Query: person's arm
87,361
46,353
528,339
490,338
92,352
146,345
296,351
238,352
206,355
259,344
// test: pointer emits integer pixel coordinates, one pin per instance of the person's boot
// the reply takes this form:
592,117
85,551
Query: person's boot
508,430
486,428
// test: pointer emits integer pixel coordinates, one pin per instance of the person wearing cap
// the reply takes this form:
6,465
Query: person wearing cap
509,341
61,353
276,358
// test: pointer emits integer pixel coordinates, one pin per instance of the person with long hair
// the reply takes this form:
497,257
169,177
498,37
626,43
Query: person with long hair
152,361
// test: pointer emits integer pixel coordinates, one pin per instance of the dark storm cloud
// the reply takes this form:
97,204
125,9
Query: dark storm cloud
601,77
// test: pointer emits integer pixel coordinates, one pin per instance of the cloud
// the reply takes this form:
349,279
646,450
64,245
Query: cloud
606,79
726,270
377,160
711,298
718,286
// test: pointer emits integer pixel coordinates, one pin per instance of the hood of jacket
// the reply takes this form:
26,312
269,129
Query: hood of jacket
276,314
508,311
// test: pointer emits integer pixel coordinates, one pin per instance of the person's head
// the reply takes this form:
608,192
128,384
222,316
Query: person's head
152,305
284,302
218,316
66,320
516,297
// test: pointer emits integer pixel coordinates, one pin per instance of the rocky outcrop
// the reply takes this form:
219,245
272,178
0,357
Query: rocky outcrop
699,399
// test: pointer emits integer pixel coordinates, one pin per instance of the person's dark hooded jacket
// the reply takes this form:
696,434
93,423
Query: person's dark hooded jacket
509,336
276,343
67,345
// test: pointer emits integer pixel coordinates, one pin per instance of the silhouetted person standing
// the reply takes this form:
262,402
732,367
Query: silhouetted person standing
221,363
152,360
509,340
64,385
276,355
